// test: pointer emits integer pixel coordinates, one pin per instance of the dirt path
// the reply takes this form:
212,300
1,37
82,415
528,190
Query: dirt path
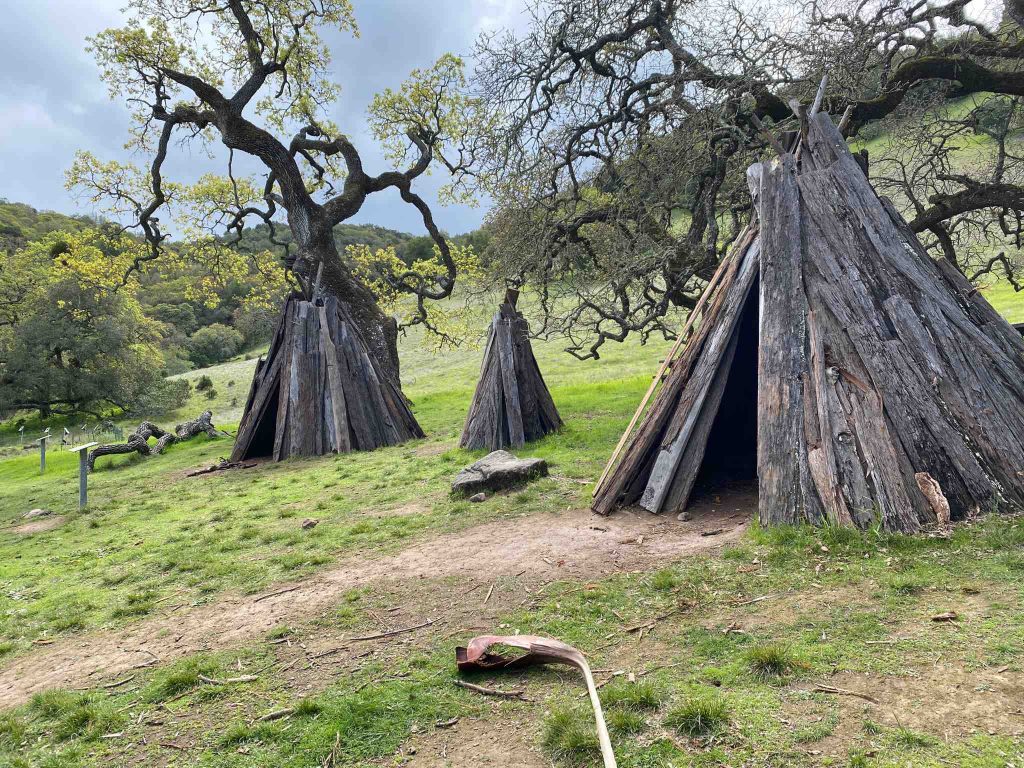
573,544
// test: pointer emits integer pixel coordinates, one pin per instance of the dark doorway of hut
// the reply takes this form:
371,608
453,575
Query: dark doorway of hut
729,466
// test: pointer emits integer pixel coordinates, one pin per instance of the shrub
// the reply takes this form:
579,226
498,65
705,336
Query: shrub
214,344
204,383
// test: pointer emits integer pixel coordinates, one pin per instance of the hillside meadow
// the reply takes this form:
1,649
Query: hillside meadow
716,643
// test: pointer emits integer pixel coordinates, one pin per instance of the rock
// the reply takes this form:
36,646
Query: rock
477,498
36,513
684,516
496,471
309,523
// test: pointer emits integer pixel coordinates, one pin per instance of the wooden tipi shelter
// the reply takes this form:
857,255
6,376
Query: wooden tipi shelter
319,391
511,404
865,382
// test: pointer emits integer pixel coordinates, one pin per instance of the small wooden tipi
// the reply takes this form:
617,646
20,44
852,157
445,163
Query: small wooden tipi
861,380
511,404
319,391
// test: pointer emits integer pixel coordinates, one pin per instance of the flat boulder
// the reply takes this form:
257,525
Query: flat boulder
495,471
32,514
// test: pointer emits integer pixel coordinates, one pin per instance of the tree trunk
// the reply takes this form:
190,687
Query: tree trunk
379,331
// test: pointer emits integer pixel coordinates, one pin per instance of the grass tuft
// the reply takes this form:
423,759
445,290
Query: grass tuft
625,722
73,715
179,678
664,580
643,695
308,708
771,660
908,739
570,737
701,715
906,586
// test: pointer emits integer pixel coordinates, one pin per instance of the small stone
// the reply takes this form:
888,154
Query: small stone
478,497
36,513
684,516
309,523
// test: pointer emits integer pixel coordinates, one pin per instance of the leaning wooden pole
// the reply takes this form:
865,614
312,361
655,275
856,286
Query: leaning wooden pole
665,364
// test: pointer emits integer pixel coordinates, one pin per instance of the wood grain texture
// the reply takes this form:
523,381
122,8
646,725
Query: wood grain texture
318,391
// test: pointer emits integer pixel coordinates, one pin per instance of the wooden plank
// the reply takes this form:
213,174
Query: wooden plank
821,456
743,242
629,480
681,484
784,479
510,387
692,400
335,387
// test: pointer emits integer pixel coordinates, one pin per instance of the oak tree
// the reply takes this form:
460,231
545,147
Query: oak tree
254,77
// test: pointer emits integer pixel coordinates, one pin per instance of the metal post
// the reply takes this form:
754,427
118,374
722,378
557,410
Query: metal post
83,479
42,455
83,473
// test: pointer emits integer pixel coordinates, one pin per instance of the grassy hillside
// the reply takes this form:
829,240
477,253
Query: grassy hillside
1008,302
728,664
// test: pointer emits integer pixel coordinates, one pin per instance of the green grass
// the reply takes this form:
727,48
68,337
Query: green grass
771,660
640,696
700,715
705,708
152,539
570,738
1005,300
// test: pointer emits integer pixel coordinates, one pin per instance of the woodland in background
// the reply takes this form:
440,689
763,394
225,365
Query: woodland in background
64,350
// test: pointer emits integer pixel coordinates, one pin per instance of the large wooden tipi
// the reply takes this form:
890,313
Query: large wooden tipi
861,380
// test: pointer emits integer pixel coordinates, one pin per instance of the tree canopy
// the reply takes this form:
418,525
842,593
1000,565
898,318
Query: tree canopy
70,340
254,77
621,129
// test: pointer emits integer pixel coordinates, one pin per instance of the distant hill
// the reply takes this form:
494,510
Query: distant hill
20,224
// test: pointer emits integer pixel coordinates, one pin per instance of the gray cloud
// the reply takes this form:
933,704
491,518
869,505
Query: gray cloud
52,102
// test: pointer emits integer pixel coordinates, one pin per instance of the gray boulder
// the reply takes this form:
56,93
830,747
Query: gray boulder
496,471
36,513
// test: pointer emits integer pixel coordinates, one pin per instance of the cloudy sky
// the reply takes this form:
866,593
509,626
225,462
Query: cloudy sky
52,102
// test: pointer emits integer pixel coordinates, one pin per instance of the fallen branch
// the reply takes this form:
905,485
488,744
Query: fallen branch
329,652
651,622
222,466
822,688
491,691
759,599
119,683
138,441
277,714
229,681
393,632
279,592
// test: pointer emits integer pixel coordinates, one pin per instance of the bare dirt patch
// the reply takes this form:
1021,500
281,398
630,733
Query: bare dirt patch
497,741
949,703
572,544
40,525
